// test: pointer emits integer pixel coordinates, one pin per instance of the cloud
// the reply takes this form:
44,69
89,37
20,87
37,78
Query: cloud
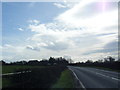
86,30
74,31
60,5
32,48
65,4
20,29
57,46
35,22
111,48
87,14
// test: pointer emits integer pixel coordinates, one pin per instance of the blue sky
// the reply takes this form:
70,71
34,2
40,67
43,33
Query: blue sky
16,15
80,30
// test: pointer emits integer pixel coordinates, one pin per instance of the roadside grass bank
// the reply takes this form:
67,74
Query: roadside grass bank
65,81
37,78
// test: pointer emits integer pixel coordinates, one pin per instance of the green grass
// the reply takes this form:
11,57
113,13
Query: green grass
13,68
65,81
43,76
9,69
6,82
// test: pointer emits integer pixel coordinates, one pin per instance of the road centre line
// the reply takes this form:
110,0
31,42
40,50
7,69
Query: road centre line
104,75
108,76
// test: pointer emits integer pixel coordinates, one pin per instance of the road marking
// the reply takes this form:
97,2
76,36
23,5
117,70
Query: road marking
78,80
115,79
107,71
108,76
102,74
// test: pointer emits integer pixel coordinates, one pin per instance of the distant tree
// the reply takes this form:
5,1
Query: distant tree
118,59
24,62
106,60
52,60
89,61
33,62
20,62
2,62
100,61
44,62
111,59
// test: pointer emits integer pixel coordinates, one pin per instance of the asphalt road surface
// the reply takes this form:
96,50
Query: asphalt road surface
96,78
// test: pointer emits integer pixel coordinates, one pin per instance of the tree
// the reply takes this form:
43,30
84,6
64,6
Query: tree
111,59
89,61
33,62
2,62
51,60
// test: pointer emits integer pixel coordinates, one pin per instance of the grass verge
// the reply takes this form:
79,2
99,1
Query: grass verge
65,81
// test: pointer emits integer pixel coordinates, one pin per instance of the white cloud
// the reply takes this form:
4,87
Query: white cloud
65,4
32,48
35,22
20,29
90,17
60,5
82,32
79,31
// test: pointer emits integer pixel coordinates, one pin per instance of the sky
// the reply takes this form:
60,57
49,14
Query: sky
81,30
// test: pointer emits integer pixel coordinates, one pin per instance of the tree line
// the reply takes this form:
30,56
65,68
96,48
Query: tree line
108,62
50,61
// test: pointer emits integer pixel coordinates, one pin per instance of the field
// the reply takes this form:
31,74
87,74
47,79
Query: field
14,68
11,69
39,77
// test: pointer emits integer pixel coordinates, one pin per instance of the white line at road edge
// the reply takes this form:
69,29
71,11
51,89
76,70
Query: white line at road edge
78,79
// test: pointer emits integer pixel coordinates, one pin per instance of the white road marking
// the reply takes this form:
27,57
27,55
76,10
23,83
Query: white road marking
102,74
115,79
108,76
106,71
78,80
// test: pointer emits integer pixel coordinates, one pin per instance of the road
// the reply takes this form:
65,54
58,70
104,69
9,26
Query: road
96,78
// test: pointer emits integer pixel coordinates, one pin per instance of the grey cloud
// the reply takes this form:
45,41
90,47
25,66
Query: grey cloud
52,43
114,27
32,48
105,34
84,41
110,47
58,46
